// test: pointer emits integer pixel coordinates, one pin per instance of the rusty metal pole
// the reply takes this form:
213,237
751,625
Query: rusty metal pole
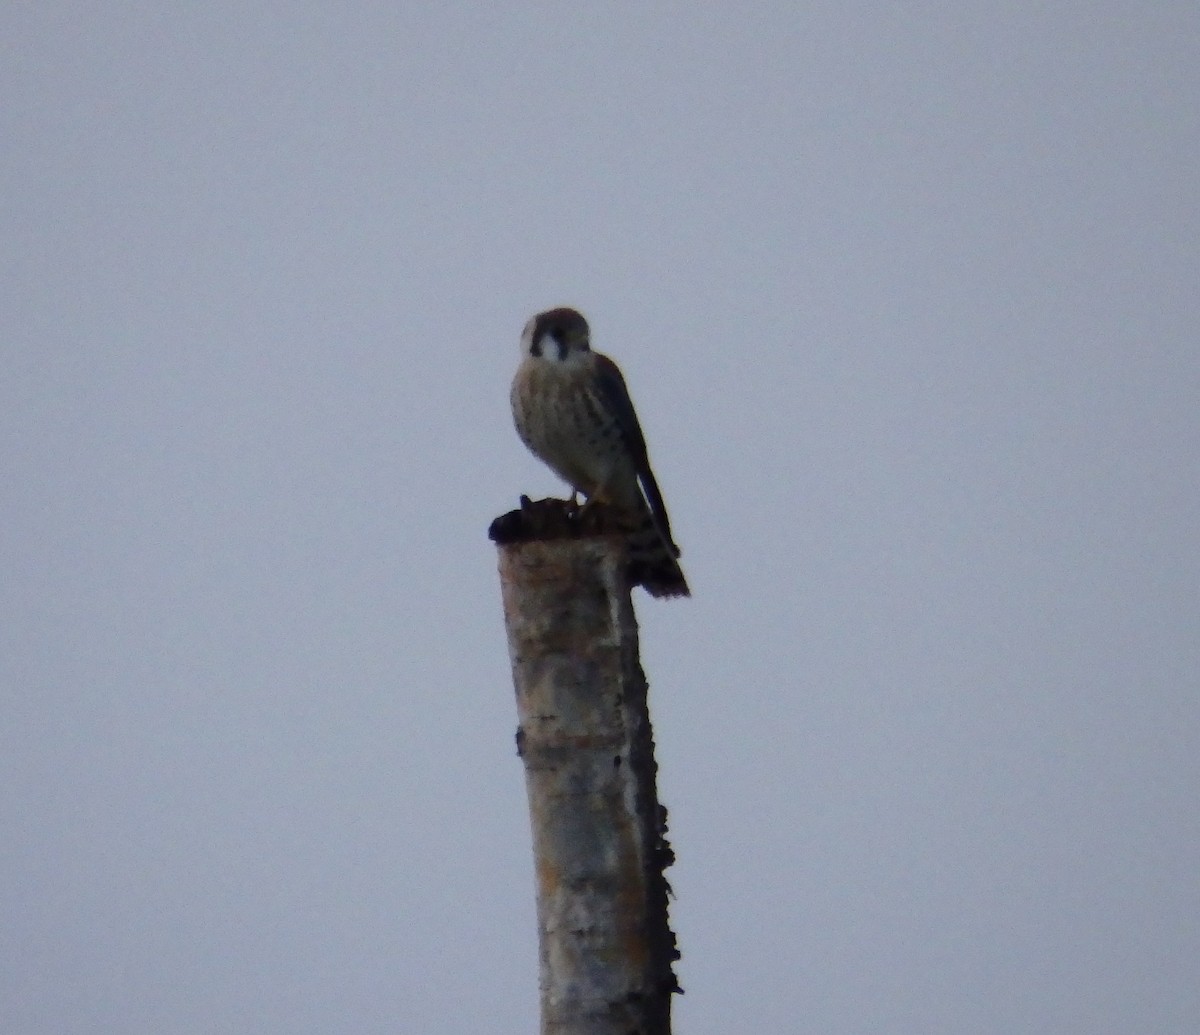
605,947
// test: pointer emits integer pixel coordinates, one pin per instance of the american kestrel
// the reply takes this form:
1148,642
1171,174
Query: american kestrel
573,411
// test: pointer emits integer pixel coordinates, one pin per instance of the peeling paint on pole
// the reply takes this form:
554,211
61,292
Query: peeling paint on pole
606,950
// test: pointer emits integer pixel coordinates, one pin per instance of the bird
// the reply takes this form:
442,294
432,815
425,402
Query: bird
573,411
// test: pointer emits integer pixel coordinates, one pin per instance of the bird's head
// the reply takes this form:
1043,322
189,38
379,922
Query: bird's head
555,335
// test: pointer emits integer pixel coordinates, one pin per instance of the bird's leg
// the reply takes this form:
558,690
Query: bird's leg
595,496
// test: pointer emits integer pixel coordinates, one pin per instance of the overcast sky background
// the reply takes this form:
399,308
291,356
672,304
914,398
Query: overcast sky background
907,296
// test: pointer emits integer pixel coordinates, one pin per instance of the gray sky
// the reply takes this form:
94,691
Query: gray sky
907,297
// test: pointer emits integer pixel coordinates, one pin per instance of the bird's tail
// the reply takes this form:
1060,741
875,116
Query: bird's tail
654,561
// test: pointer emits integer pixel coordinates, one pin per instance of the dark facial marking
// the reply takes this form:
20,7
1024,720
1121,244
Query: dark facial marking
559,337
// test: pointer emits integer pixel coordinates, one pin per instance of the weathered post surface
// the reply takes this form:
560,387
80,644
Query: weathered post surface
605,946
